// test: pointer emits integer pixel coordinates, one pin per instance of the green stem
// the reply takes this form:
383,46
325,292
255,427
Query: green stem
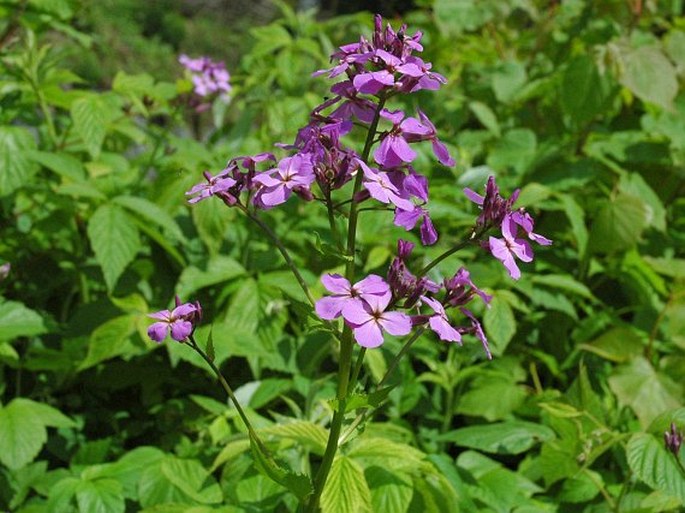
282,249
49,122
474,236
227,388
346,342
358,365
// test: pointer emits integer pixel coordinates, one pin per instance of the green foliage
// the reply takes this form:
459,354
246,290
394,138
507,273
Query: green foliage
578,103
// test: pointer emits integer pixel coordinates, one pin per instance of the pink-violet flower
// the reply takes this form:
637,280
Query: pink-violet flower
368,320
331,307
179,322
292,173
439,322
509,246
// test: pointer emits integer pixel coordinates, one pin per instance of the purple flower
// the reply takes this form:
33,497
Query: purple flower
457,292
219,185
360,108
394,148
525,221
368,320
494,207
180,322
408,219
429,133
439,322
402,282
509,246
381,188
331,307
673,440
292,173
207,76
477,330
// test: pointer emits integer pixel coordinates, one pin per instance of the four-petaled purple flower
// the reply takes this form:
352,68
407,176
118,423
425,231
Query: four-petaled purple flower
331,307
219,185
179,322
394,149
292,173
207,76
368,319
508,247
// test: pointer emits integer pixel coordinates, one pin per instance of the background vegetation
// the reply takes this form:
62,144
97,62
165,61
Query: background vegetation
579,103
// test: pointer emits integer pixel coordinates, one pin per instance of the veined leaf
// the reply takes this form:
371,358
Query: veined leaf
652,464
90,116
15,164
18,321
509,437
346,490
115,240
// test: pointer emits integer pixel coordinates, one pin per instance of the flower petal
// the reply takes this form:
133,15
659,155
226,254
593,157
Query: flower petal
395,323
336,283
158,331
369,335
180,329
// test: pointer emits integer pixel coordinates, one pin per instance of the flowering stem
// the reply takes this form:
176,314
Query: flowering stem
473,237
346,342
227,388
282,249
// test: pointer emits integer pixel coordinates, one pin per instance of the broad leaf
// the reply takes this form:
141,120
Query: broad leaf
16,167
499,324
90,116
100,496
510,437
346,490
115,240
18,321
22,434
651,463
619,224
650,76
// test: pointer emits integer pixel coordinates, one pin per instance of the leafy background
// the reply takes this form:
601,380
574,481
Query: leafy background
579,103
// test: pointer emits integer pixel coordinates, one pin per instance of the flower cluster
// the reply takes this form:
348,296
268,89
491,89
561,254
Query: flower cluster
673,439
372,71
369,73
179,322
208,77
496,212
365,305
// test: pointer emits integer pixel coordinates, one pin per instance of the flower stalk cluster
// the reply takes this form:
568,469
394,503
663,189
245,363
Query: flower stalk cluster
319,168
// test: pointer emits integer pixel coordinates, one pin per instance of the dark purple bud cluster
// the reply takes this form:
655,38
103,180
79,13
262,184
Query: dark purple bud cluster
673,438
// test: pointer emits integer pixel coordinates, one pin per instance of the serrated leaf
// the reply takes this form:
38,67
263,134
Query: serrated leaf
584,92
18,321
61,495
304,432
619,224
346,490
651,463
390,491
299,484
63,164
386,453
47,415
509,437
499,324
90,116
16,165
152,213
22,434
114,238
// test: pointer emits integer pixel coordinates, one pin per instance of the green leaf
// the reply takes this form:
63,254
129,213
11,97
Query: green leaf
563,282
651,463
646,391
509,437
619,224
499,324
617,344
516,149
18,321
346,490
581,487
173,479
100,496
390,491
304,432
22,434
507,80
576,217
16,166
111,339
299,484
634,184
650,76
63,164
478,401
114,238
61,495
382,452
584,92
151,212
90,117
487,118
47,415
